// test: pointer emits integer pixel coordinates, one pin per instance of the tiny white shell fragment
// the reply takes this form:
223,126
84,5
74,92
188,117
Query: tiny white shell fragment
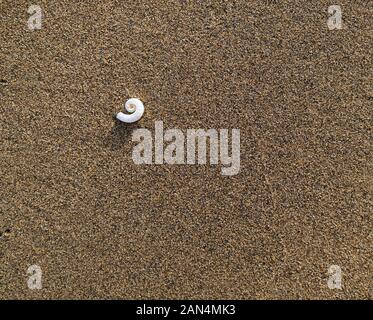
135,108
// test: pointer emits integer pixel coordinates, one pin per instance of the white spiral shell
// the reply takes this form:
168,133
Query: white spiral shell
135,108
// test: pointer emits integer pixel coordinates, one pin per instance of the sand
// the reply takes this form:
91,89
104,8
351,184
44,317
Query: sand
73,202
